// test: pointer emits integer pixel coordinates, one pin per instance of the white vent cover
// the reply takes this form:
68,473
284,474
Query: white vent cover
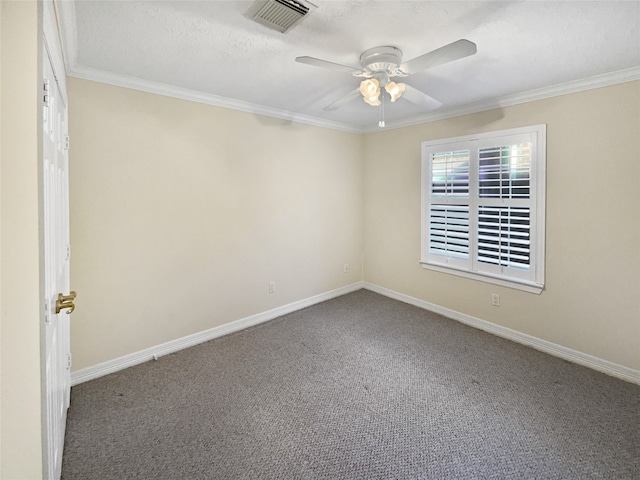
280,15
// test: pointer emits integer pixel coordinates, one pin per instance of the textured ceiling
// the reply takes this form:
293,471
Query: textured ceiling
212,51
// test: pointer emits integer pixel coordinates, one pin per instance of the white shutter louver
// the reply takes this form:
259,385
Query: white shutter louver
504,236
450,174
449,230
505,171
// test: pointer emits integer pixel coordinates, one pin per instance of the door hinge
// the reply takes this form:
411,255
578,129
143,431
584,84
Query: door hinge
68,361
66,142
68,252
45,88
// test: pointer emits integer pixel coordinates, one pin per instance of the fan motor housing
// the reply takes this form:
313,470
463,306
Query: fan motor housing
385,58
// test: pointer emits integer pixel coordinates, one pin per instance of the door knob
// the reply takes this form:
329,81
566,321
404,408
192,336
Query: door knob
66,301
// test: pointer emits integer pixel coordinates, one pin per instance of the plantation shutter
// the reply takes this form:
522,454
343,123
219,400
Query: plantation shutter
450,174
505,171
504,214
449,230
503,236
483,206
449,227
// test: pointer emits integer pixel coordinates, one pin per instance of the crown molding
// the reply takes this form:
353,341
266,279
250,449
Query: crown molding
589,83
597,81
158,88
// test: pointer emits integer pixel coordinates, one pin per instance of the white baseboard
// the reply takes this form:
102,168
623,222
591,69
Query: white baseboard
136,358
157,351
584,359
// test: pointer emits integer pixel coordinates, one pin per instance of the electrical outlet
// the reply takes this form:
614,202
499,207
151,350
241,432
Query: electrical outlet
345,268
495,299
272,287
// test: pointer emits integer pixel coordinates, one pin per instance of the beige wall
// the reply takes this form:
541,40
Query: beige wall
591,302
181,214
20,394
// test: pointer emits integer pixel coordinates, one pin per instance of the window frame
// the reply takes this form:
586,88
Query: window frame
531,280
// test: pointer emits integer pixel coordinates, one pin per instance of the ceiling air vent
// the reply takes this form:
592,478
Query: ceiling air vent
280,15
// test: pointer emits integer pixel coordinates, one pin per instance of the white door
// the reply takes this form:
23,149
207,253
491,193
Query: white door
58,300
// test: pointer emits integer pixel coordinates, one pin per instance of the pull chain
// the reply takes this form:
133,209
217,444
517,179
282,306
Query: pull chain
381,122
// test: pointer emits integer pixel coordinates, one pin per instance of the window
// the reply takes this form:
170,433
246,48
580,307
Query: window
483,206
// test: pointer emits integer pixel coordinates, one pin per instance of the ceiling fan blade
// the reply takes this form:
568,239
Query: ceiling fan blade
420,98
316,62
454,51
352,95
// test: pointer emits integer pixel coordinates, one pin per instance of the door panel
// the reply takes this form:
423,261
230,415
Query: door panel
56,250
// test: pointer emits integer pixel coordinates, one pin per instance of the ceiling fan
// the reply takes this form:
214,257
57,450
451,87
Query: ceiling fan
379,65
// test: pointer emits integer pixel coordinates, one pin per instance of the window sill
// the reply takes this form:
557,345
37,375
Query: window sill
504,282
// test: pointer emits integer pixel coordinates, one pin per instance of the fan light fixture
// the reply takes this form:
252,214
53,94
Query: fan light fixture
378,65
370,90
395,90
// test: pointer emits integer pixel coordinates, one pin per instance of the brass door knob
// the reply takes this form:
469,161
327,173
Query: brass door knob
66,301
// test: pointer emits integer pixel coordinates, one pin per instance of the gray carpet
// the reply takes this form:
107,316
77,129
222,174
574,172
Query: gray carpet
358,387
